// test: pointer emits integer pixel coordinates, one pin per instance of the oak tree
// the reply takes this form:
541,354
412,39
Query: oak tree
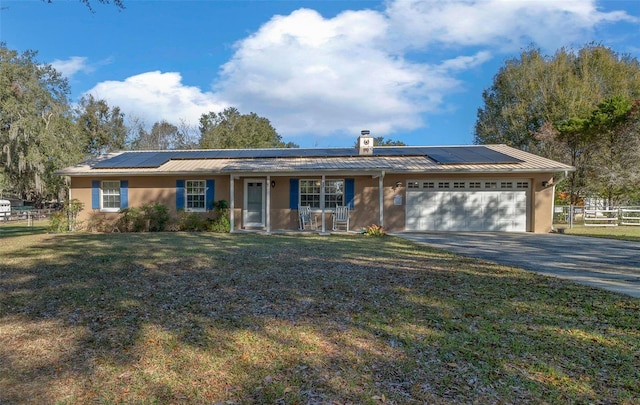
231,130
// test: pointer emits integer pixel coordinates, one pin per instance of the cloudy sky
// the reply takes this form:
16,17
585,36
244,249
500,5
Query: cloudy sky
320,71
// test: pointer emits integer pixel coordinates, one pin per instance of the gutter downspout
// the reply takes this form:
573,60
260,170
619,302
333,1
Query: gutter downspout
268,205
553,204
381,197
232,204
324,228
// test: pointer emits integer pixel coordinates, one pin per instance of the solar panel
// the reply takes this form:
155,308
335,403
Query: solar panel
128,159
401,150
448,155
440,154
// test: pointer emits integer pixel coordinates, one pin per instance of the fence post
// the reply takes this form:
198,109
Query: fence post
571,216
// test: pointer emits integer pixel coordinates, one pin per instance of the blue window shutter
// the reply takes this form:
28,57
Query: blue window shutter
293,194
211,187
349,192
124,194
95,194
179,194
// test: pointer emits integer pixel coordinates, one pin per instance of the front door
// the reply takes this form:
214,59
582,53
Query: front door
254,206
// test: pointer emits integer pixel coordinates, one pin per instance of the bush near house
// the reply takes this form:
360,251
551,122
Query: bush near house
65,219
196,222
374,230
155,217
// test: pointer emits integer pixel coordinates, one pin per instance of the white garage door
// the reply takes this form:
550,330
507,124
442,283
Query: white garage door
467,205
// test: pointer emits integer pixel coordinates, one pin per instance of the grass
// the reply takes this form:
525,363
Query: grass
621,232
216,318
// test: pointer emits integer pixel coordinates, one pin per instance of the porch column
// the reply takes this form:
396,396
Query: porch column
381,197
324,228
232,203
268,205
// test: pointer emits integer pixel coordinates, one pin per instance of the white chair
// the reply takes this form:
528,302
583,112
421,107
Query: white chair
306,219
341,218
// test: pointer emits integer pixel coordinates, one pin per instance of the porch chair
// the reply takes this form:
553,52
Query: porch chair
306,219
341,218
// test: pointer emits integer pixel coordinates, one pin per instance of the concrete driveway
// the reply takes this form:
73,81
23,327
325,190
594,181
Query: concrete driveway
604,263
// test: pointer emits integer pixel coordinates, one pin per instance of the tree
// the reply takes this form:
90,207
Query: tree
616,143
118,3
101,127
573,134
231,130
36,131
533,89
380,141
190,134
163,136
604,148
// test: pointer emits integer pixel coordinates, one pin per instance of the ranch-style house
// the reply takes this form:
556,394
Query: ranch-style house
402,188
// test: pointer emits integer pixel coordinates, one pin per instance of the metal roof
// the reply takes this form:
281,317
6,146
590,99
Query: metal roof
436,159
441,154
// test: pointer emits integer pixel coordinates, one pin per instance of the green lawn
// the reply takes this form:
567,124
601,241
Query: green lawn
622,232
217,318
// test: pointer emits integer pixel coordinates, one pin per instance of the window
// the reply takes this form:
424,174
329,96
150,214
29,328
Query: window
428,184
490,184
413,184
196,195
110,196
522,184
474,184
506,184
310,193
459,184
333,193
443,184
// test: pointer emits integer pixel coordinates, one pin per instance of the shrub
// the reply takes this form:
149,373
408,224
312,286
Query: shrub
67,219
148,218
58,222
156,216
131,220
374,230
222,205
192,221
221,222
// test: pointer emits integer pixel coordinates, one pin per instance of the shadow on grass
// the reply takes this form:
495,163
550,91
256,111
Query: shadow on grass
15,229
195,317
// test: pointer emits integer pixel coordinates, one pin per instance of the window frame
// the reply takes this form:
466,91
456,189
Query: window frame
202,192
111,192
315,191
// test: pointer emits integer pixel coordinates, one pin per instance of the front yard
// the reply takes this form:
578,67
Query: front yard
218,318
621,232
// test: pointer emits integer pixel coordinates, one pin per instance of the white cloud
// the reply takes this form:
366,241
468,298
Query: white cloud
360,69
501,24
325,76
71,66
156,96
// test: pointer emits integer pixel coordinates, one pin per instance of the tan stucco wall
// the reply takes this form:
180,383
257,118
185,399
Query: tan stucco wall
143,190
161,189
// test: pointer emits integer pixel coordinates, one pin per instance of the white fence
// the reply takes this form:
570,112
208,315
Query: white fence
629,216
25,214
565,214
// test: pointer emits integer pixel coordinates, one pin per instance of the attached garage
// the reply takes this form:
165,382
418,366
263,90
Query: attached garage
467,205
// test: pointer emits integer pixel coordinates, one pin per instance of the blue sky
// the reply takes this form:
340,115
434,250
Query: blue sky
320,71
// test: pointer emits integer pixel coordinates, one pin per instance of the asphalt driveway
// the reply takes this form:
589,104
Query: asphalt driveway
604,263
